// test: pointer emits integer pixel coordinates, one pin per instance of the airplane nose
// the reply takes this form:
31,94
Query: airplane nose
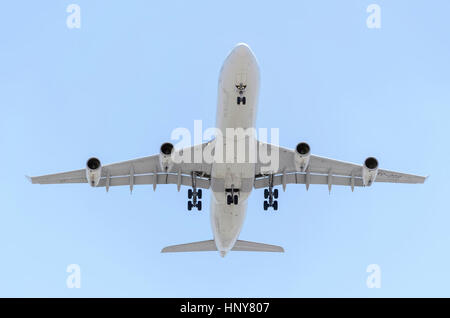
242,49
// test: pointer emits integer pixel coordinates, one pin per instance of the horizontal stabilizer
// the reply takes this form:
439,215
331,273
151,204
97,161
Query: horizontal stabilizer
210,245
203,246
246,246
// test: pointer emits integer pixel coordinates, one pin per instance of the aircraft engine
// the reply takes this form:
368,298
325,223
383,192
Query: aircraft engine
93,171
165,156
369,171
302,154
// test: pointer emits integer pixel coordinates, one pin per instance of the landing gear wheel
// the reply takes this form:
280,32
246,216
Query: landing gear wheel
229,199
275,193
266,205
189,205
266,193
199,193
238,100
199,205
244,100
235,199
190,194
275,205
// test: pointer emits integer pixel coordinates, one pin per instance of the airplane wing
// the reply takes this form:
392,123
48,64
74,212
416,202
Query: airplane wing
320,170
146,170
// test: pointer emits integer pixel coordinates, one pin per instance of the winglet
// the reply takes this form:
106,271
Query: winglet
29,178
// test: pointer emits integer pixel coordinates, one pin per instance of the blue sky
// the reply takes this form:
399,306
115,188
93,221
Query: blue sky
136,70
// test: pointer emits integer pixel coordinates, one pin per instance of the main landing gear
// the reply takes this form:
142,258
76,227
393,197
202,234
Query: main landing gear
194,196
241,90
270,195
232,196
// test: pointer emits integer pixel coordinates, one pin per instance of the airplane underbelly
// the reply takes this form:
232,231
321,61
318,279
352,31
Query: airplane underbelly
232,179
227,221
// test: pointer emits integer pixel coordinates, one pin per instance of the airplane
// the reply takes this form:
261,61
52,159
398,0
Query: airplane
231,182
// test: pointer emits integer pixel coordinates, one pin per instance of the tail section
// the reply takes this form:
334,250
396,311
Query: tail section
210,245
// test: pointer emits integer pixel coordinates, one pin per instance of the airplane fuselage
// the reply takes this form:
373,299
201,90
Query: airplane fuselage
236,108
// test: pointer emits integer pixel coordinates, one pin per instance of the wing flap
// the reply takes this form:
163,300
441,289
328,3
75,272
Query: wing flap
301,178
162,178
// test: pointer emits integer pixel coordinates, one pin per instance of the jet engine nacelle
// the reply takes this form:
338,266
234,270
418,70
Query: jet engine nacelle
369,171
302,154
93,171
165,156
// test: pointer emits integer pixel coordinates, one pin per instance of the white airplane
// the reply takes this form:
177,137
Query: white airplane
231,182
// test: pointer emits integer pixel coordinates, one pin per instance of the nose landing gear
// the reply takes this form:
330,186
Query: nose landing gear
241,100
241,90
